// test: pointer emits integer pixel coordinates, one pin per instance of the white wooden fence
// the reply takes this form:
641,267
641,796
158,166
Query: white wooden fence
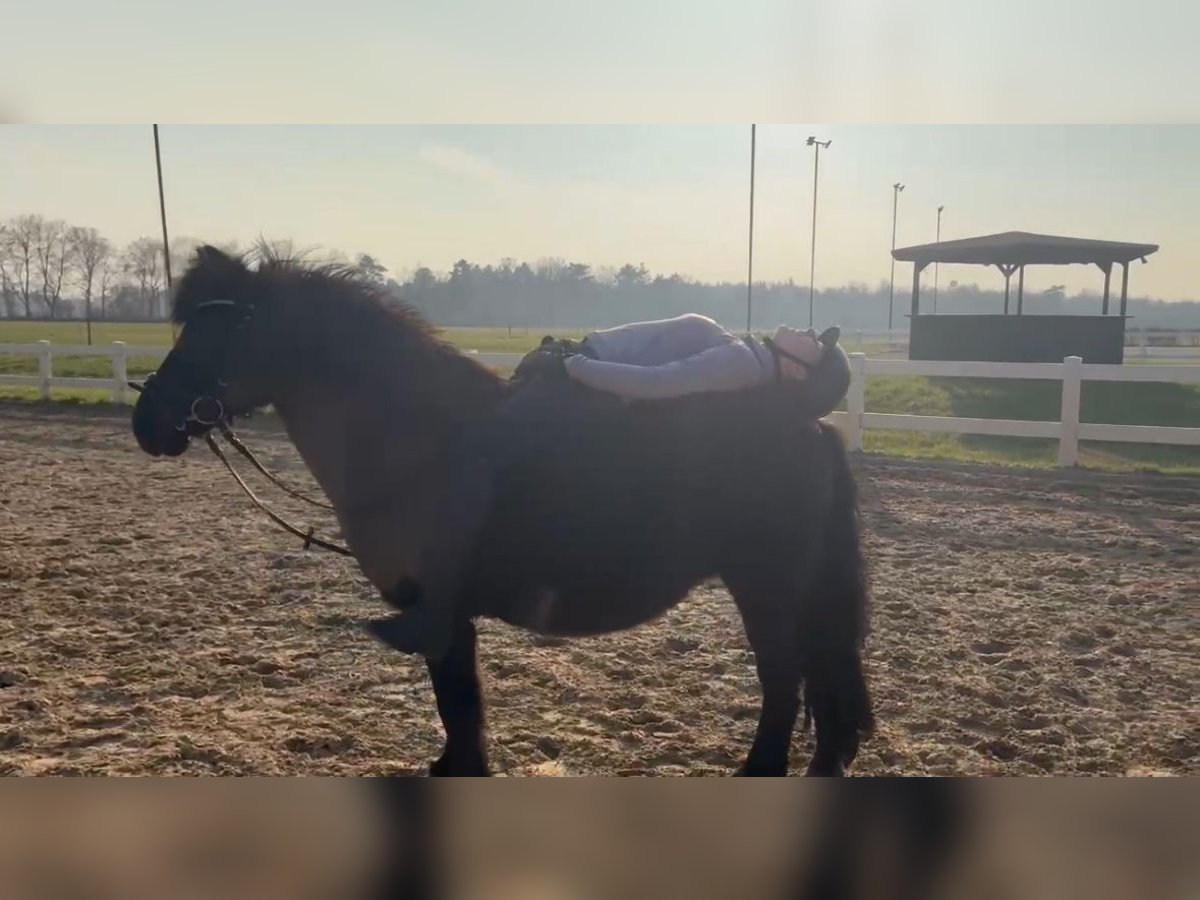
45,379
120,352
1140,343
1068,430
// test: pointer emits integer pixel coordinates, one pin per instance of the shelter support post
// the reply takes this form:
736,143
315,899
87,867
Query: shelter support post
1106,268
1006,271
918,267
1124,287
1020,290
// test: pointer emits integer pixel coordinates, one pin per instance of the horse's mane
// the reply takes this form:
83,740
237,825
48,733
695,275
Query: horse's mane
332,317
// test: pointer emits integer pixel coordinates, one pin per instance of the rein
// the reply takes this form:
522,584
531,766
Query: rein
308,537
236,443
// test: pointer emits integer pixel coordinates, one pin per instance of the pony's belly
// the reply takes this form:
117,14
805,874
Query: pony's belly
574,612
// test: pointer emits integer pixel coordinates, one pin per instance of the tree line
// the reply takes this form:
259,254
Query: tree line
49,268
556,293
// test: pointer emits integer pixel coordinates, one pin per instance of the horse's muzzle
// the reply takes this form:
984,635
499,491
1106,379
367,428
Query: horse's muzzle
155,428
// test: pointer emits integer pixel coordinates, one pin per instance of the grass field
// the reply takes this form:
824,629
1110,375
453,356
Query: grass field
158,334
1101,402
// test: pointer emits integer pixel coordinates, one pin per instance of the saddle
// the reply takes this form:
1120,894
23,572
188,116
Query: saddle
546,360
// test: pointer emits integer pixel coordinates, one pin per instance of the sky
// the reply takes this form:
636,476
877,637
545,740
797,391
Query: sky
622,60
674,197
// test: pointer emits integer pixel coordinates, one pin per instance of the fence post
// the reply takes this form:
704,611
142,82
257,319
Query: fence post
118,371
44,370
859,335
1068,441
856,401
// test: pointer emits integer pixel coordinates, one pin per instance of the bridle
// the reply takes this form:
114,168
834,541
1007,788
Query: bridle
210,409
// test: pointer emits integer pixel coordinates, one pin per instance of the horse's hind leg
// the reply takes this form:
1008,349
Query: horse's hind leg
768,614
459,694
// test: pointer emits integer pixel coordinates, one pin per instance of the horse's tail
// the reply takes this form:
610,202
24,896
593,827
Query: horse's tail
834,624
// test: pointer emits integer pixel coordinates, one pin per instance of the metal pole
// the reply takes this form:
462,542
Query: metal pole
812,260
750,263
935,265
162,209
812,257
896,189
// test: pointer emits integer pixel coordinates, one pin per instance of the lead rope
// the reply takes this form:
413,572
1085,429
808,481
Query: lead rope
307,536
241,448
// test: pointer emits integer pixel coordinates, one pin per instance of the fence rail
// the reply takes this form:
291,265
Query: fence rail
1139,343
120,352
1068,430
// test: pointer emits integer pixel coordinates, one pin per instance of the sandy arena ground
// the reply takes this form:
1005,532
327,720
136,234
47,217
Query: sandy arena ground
151,621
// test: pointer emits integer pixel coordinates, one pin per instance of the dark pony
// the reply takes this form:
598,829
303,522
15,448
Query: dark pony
608,523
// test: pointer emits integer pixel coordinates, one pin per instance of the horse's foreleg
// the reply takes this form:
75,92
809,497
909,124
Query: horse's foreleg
459,693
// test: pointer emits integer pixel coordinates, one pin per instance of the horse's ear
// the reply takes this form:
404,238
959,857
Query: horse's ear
218,260
213,274
218,272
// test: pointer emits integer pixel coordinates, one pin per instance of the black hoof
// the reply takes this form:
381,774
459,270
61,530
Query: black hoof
815,770
746,771
445,767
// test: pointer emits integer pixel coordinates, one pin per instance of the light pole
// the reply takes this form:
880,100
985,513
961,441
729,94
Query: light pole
162,210
938,238
812,261
896,189
750,255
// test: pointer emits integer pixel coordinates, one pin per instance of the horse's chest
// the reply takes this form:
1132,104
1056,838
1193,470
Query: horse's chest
388,541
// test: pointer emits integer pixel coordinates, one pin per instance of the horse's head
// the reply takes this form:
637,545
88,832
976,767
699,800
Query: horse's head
215,371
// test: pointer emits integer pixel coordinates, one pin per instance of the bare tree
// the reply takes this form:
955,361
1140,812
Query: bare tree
89,251
106,275
8,288
50,253
20,238
606,275
143,262
550,268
